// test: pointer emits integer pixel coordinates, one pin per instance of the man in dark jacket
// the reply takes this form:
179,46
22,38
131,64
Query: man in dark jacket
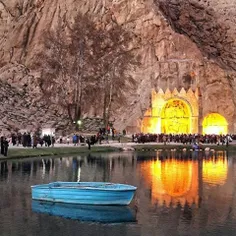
2,145
5,146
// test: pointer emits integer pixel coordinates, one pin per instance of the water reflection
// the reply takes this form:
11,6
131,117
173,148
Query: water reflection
177,178
101,214
178,193
215,170
172,181
78,168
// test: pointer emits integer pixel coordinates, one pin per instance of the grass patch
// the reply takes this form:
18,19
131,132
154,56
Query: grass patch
53,151
16,153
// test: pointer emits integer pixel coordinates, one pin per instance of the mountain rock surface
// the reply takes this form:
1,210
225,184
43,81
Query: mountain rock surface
182,44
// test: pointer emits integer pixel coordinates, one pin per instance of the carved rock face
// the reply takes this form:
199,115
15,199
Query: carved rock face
210,24
169,59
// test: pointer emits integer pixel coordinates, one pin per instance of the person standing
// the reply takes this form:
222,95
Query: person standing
53,141
89,143
107,138
74,139
119,137
2,145
35,141
5,145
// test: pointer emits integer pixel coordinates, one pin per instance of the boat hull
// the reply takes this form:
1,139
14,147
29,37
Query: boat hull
101,214
76,193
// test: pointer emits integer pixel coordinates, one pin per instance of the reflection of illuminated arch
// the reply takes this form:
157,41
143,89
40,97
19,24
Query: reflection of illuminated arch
214,123
176,117
214,172
172,181
176,177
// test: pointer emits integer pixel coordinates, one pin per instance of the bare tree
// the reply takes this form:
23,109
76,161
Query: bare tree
83,35
114,65
66,66
55,62
83,62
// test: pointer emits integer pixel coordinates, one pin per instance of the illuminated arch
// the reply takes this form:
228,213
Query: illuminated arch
214,123
176,117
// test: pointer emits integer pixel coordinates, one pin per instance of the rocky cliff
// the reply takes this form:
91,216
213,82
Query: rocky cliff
181,44
208,23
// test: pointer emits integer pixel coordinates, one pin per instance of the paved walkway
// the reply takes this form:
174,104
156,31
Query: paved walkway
110,144
114,144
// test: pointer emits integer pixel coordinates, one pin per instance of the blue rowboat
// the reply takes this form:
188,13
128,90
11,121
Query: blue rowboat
101,214
90,193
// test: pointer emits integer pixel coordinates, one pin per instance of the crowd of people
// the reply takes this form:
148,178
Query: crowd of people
101,136
34,140
184,138
25,140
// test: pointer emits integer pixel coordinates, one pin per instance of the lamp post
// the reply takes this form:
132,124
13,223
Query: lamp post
79,123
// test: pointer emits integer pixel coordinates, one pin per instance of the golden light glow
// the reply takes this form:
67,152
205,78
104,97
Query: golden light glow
148,122
176,177
149,125
172,181
172,111
215,171
214,123
175,117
